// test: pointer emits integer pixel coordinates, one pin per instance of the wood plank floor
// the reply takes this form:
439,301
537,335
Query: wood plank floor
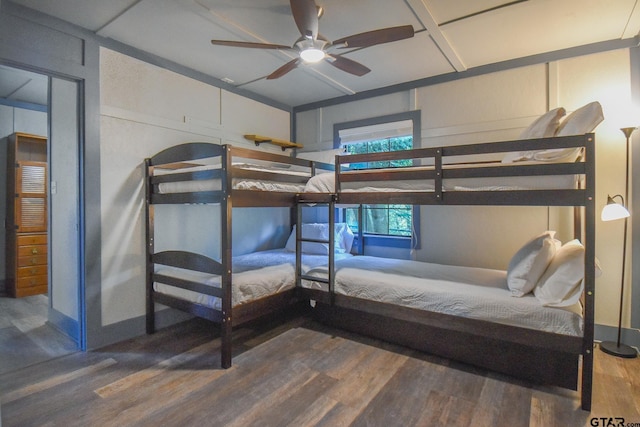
26,338
294,373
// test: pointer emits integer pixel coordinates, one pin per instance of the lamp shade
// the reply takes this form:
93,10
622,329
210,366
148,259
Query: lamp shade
613,210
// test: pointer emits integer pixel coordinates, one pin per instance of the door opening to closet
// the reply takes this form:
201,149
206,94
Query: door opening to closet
39,241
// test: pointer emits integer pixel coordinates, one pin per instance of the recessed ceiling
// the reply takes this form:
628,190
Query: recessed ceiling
19,86
451,36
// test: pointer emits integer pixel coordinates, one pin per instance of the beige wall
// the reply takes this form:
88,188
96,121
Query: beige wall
495,107
490,107
145,109
605,77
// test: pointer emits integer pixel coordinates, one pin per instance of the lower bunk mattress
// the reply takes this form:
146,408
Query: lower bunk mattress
470,292
255,275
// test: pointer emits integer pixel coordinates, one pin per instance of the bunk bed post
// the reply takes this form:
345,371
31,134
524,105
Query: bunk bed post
578,216
148,207
332,246
589,274
360,230
298,222
338,168
578,229
226,207
438,177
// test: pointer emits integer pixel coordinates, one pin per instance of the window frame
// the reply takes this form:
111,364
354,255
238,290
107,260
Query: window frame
408,242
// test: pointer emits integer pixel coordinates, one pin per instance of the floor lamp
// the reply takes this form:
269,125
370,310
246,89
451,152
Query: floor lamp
611,211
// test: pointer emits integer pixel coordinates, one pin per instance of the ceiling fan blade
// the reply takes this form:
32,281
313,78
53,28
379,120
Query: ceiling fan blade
371,38
305,13
249,44
284,69
348,65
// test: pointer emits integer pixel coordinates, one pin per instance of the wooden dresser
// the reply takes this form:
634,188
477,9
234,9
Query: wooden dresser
26,225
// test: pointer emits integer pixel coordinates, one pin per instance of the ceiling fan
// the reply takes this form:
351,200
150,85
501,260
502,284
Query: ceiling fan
313,47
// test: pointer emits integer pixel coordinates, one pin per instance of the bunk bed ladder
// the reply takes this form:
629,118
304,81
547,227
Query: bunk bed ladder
330,279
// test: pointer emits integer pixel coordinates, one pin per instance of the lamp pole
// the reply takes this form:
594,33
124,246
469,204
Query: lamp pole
617,348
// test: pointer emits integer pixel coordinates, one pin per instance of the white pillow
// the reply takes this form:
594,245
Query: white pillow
343,239
544,126
345,235
530,262
558,155
562,284
310,231
583,120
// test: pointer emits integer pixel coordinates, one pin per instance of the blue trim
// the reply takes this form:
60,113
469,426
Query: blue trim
609,333
24,105
65,324
90,240
476,71
82,309
398,242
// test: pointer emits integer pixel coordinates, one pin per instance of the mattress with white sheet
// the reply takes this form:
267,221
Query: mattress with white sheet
325,182
198,185
475,293
255,275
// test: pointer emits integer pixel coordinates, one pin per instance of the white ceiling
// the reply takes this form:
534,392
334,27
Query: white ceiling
451,36
18,86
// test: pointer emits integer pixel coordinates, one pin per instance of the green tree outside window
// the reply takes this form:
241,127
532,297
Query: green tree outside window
386,220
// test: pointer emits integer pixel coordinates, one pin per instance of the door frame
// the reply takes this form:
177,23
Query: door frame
74,328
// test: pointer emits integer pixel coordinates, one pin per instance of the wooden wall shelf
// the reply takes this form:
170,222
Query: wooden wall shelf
284,144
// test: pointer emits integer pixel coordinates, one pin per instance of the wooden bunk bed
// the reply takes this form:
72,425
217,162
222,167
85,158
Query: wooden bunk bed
535,355
203,173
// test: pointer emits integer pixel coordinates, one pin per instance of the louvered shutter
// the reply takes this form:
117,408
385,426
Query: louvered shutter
31,196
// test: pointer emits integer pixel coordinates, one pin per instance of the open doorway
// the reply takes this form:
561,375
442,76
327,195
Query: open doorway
42,320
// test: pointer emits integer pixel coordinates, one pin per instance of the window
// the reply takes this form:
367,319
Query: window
389,220
382,225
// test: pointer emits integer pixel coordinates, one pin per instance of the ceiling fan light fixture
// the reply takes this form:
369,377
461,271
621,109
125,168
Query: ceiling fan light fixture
312,47
312,55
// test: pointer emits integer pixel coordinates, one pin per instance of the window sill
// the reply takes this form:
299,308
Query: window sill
400,242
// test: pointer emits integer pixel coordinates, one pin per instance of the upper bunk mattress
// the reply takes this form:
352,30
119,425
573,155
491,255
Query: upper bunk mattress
325,182
193,186
475,293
